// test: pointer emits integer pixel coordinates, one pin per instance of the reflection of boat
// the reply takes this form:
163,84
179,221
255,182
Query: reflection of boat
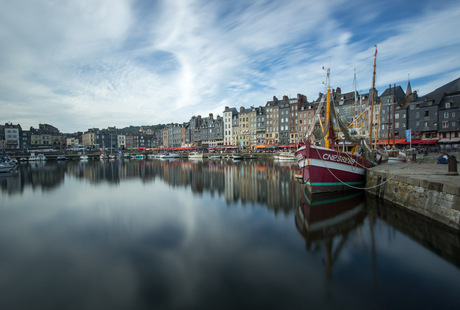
284,156
327,218
215,157
327,168
328,214
84,157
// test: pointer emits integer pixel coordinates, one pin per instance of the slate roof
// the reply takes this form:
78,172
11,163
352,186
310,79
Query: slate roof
438,94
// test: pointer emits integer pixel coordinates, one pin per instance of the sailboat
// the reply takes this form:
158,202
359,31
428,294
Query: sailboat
6,163
324,166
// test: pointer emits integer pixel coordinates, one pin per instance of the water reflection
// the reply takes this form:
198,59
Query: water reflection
246,181
181,235
326,220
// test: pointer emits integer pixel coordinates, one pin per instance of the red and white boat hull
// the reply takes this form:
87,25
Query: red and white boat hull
326,170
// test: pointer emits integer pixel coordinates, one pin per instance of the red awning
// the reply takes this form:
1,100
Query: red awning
419,141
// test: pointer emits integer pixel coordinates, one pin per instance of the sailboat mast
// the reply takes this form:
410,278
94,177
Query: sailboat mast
355,102
371,125
327,119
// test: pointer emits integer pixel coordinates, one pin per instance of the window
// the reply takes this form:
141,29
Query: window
417,114
447,105
453,114
445,124
427,113
426,124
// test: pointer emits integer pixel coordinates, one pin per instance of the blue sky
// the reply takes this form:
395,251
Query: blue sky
99,63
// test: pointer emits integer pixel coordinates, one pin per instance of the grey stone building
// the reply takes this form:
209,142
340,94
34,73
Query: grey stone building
392,115
260,135
284,112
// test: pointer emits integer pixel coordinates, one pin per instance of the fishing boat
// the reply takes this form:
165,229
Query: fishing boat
84,157
324,165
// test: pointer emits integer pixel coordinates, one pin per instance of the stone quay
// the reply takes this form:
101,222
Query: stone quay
422,186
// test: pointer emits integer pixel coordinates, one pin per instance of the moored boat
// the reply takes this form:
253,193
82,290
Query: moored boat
170,156
40,157
215,157
237,156
284,156
195,155
7,167
328,168
6,163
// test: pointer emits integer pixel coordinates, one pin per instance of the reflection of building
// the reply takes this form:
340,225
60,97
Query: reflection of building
265,183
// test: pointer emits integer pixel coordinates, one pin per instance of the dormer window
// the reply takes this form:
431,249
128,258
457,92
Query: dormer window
447,105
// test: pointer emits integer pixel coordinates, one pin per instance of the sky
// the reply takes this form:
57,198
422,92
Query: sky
98,63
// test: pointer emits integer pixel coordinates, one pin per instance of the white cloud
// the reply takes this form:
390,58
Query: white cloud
84,64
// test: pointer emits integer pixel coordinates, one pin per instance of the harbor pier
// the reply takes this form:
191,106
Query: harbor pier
420,185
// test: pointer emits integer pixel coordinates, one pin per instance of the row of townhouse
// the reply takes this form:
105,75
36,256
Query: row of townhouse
433,118
12,137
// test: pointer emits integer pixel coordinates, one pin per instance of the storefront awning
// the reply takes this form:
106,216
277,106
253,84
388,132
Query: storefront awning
390,141
419,141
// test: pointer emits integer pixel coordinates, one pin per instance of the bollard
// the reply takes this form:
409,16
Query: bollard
452,165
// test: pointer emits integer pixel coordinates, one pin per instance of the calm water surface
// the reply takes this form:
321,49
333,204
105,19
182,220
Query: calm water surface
211,235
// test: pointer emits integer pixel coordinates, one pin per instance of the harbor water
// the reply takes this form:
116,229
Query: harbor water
211,234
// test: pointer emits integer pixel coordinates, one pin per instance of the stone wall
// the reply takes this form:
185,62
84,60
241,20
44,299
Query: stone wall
437,200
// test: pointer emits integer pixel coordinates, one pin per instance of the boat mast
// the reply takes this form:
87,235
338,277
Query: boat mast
355,102
371,125
327,119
